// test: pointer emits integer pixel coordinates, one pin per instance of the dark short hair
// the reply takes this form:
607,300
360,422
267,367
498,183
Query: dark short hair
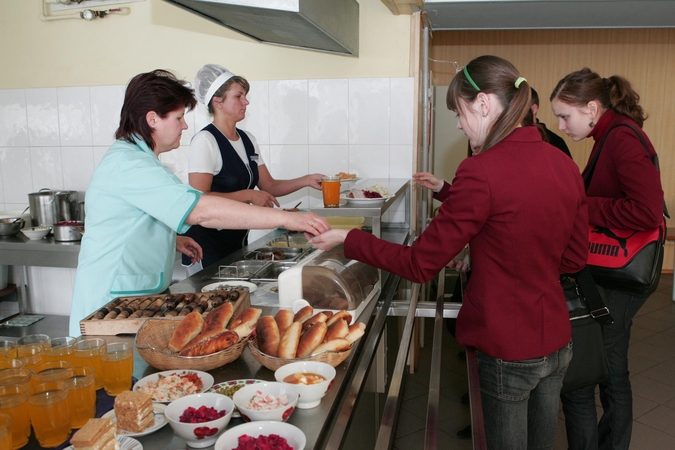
159,91
535,97
220,93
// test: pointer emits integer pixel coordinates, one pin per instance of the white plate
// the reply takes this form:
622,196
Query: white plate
370,202
272,288
216,387
126,443
224,284
207,379
160,421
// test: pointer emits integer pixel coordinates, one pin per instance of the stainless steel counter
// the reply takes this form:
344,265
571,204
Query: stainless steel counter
20,251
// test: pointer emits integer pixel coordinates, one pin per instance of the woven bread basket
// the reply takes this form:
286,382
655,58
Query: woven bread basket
272,363
152,341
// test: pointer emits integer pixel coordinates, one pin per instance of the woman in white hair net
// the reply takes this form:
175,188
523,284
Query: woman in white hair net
225,161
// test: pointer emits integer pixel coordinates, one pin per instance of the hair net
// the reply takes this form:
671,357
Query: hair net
208,80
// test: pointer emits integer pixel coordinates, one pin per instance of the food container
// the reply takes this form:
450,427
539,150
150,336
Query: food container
11,227
346,223
68,231
274,254
48,207
239,270
272,271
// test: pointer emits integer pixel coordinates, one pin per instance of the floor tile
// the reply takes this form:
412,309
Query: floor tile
648,438
651,389
661,372
662,418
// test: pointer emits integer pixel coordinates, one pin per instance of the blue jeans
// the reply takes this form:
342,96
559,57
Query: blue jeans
616,424
521,398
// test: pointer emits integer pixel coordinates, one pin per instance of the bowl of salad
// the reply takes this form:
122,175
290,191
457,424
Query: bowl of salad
272,435
266,401
200,418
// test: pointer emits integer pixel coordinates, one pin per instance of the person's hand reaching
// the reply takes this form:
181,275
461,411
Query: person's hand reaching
329,239
428,180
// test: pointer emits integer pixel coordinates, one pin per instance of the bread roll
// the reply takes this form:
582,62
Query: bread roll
244,323
328,314
337,330
318,317
288,346
356,331
187,329
212,345
339,315
267,332
284,319
304,314
310,339
217,318
336,345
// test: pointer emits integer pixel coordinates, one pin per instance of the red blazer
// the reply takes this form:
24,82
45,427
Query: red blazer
521,206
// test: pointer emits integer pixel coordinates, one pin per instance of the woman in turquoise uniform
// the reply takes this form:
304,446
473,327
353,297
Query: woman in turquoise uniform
135,206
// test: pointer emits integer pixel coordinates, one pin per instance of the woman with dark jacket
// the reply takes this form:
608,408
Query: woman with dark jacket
625,193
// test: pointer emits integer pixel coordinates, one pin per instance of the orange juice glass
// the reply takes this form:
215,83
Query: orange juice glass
330,187
32,339
14,403
49,412
5,433
9,377
117,364
52,370
30,354
81,396
60,348
88,353
8,349
10,363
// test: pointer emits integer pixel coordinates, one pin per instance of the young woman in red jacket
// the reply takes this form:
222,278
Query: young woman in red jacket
520,204
624,192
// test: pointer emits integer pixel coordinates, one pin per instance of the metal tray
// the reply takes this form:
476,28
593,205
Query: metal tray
272,270
274,254
239,270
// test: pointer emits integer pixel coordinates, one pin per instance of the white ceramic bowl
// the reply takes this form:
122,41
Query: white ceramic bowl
310,394
294,436
205,434
244,395
36,232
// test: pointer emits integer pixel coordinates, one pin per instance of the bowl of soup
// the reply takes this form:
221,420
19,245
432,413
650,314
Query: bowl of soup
312,379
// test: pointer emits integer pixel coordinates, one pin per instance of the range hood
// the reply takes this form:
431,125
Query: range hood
548,14
323,25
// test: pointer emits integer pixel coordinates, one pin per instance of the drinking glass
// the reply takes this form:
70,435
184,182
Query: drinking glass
32,339
14,403
8,349
10,363
60,348
88,353
5,434
117,364
49,412
52,370
30,354
9,377
330,187
81,396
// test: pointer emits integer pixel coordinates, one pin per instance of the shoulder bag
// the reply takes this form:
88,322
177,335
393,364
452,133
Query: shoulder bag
588,312
626,260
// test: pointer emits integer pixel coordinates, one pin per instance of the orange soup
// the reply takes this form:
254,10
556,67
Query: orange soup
304,378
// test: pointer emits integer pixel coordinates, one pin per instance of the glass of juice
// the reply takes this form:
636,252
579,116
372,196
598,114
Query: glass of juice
330,188
30,354
10,363
32,339
88,353
117,365
60,348
8,349
14,403
9,377
5,433
81,396
52,370
49,412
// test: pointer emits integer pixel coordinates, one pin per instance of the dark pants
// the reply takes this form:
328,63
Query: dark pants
615,426
216,244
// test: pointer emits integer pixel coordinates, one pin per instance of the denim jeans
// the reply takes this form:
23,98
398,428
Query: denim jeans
616,424
521,398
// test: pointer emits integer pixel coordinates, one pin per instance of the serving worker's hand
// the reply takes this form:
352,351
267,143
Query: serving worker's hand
428,180
190,248
329,239
262,198
314,180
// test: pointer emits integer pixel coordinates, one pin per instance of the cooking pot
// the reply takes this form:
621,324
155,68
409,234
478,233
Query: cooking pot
48,207
11,227
68,231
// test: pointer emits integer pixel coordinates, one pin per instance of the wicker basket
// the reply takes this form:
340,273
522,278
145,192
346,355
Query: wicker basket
272,363
152,343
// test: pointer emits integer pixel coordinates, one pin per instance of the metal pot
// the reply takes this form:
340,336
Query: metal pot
10,227
68,231
48,207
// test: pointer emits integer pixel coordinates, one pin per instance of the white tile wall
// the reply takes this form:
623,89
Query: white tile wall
55,137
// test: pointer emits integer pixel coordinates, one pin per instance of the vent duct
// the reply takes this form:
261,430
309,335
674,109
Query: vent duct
323,25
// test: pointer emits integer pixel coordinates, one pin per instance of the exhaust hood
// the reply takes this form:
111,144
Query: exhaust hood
323,25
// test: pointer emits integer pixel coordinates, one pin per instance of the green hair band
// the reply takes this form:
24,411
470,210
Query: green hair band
468,77
518,81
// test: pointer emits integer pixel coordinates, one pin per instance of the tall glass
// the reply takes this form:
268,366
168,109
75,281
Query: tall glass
5,433
49,412
330,188
30,354
81,396
8,363
117,364
7,349
9,377
88,353
52,370
60,348
14,403
32,339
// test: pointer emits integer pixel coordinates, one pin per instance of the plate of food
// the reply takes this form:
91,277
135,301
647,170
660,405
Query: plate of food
374,195
271,287
160,421
347,177
230,387
170,385
226,285
125,443
368,202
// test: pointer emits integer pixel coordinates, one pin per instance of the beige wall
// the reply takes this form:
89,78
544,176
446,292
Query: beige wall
157,34
645,57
